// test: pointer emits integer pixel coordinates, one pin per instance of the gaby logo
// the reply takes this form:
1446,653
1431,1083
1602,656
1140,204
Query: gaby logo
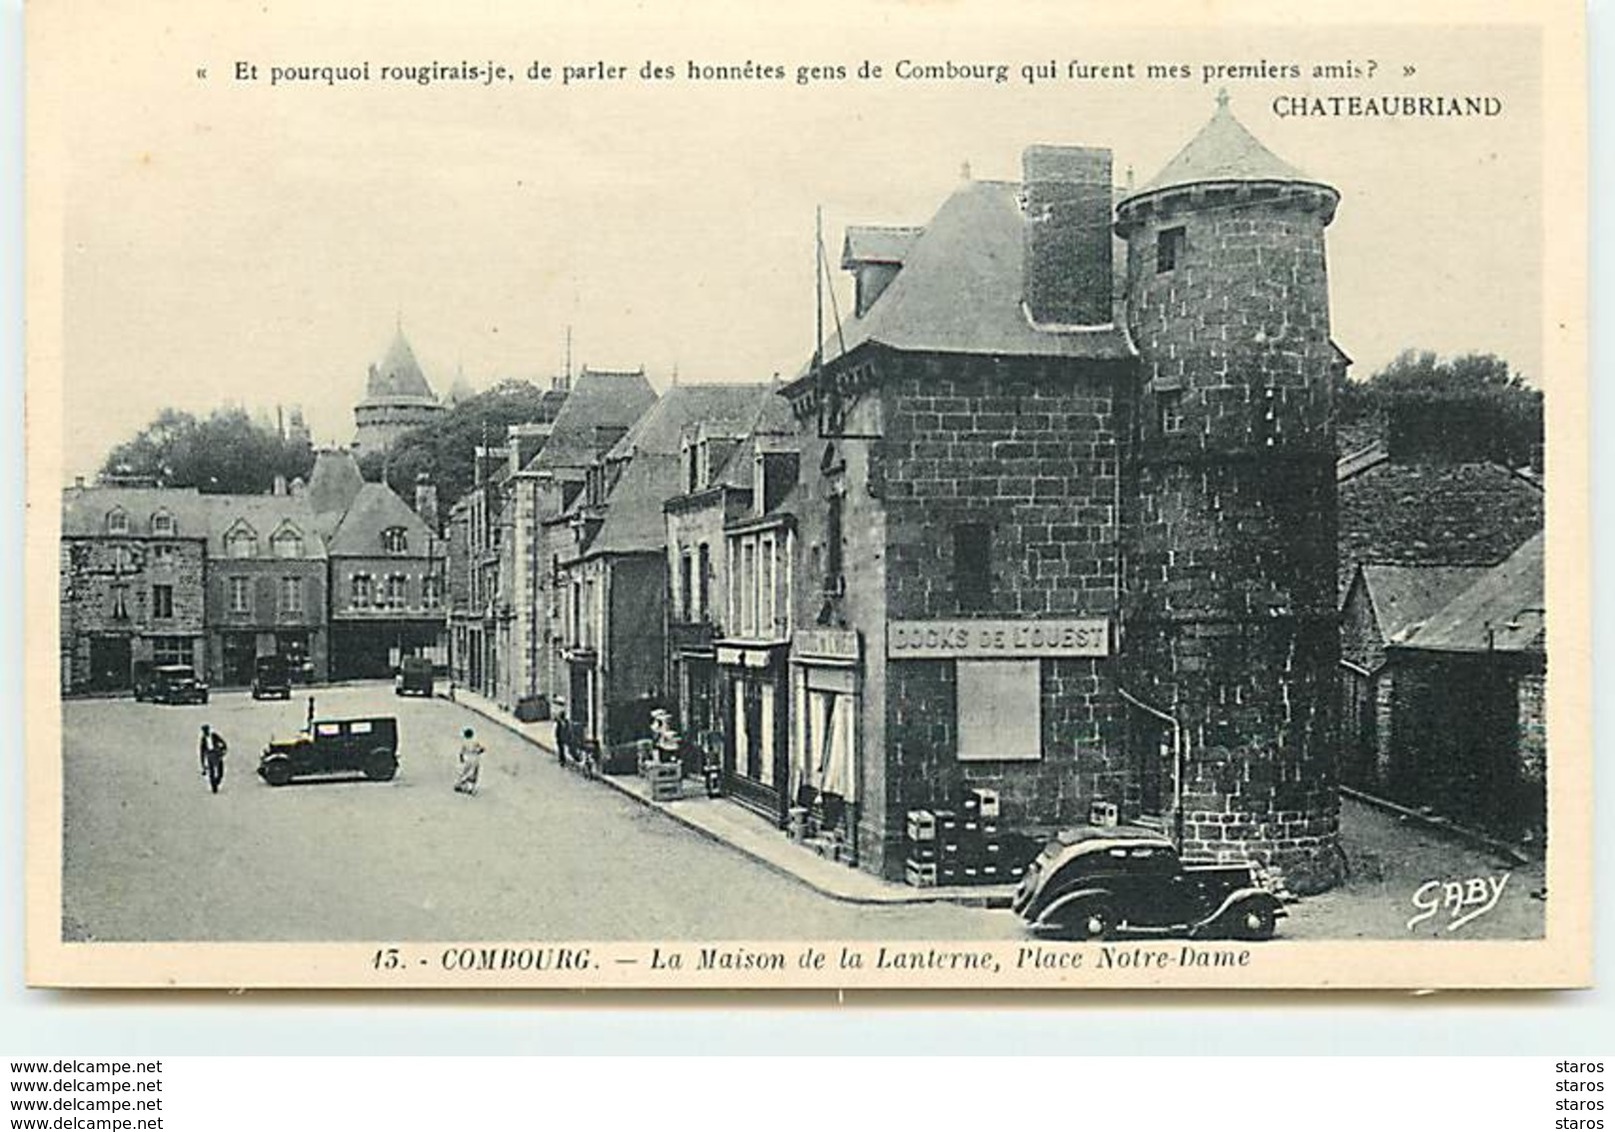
1461,900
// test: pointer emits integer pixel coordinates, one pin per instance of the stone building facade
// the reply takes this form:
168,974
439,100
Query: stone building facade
132,583
266,588
1082,552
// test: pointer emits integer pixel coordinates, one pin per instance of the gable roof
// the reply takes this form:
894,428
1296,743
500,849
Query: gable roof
961,287
1434,514
653,468
598,399
1224,150
633,519
375,509
719,409
266,515
85,510
1404,597
1502,611
334,482
398,375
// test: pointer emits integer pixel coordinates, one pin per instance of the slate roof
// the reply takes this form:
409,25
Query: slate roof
961,286
598,399
1500,612
721,409
1223,151
334,482
1404,597
398,375
1353,463
266,515
773,430
85,510
872,243
1434,514
375,509
633,519
653,474
208,517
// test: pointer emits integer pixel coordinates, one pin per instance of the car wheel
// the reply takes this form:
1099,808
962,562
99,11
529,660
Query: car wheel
380,765
1255,923
278,773
1096,921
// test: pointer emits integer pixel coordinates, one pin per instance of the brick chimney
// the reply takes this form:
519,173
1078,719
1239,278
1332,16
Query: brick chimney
426,501
1067,201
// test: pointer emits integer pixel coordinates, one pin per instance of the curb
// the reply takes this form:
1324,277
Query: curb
964,899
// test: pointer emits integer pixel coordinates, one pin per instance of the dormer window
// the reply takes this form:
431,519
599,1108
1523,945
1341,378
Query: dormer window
287,543
117,521
162,524
241,542
395,540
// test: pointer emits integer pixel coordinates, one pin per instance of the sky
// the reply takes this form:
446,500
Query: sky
233,241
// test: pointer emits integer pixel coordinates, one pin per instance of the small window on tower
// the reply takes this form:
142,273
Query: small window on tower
1169,404
1168,249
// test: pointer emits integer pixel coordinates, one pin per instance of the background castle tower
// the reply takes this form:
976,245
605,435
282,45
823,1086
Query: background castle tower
1231,544
397,398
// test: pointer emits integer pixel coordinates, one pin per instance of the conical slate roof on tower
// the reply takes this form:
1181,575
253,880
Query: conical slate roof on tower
1223,151
398,374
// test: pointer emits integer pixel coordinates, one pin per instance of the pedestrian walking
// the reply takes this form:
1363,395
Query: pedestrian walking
212,749
563,735
470,764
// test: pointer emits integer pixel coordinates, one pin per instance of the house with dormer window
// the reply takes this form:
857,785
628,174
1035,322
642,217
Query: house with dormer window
385,569
717,461
266,587
132,567
612,566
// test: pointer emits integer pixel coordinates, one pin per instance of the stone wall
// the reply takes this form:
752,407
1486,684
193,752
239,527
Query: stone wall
1030,450
1231,525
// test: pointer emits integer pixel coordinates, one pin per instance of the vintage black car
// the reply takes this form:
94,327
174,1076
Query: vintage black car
414,677
169,684
326,747
1098,882
271,678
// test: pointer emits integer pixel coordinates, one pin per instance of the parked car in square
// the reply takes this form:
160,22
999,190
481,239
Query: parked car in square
1099,882
169,684
367,747
271,678
414,677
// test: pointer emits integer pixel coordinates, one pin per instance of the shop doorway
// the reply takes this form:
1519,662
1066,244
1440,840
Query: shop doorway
109,664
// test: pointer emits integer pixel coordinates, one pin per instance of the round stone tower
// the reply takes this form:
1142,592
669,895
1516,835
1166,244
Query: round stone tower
1231,642
397,399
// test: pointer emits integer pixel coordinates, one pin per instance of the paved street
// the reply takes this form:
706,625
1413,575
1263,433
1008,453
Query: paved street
540,853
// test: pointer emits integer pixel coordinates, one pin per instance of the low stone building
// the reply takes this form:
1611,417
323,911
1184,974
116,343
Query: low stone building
1468,729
